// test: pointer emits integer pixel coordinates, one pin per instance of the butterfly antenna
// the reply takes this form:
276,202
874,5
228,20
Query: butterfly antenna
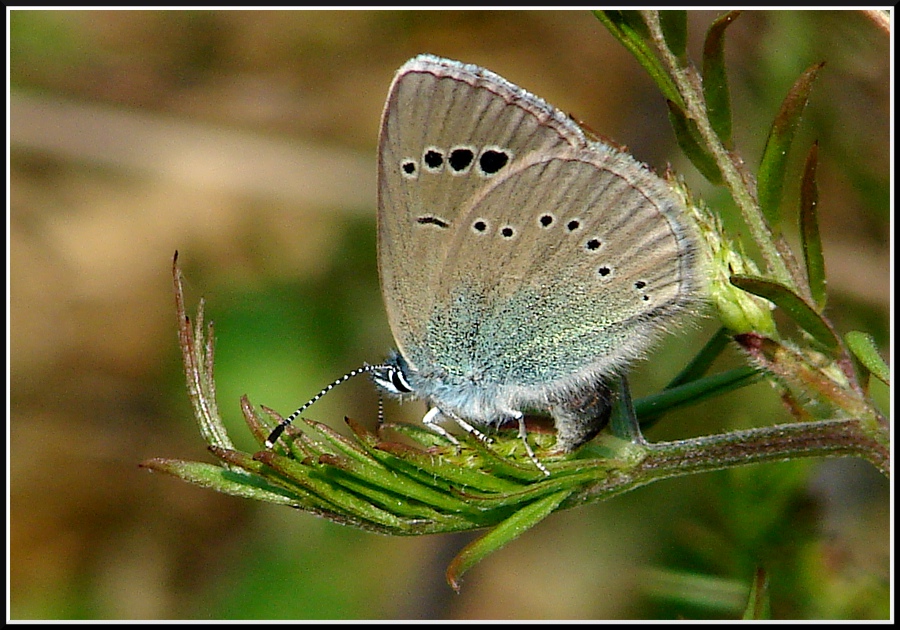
279,429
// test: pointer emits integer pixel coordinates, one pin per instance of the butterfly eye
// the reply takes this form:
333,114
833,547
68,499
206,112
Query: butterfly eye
391,379
401,385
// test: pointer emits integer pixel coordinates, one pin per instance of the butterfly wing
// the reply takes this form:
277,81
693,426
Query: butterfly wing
590,257
447,130
513,251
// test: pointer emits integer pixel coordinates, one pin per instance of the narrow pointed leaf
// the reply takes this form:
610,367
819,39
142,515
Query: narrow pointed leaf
674,28
340,443
502,466
772,167
863,347
224,480
703,359
689,140
426,438
428,468
571,482
650,408
449,470
507,531
809,229
796,307
758,602
402,462
197,354
377,475
634,20
341,499
379,489
715,79
627,27
695,589
259,427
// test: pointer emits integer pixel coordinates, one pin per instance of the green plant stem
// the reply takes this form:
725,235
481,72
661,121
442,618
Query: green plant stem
825,438
737,182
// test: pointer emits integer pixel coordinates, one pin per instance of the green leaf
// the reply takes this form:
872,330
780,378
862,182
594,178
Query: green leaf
772,166
695,589
504,533
444,468
504,466
809,229
703,359
674,28
634,21
715,79
758,602
431,468
629,29
376,475
197,354
653,407
424,436
863,347
689,140
224,480
339,498
796,307
400,496
650,408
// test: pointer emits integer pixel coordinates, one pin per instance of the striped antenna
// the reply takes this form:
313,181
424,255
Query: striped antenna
278,430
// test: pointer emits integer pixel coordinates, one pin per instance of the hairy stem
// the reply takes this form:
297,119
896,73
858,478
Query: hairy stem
737,181
825,438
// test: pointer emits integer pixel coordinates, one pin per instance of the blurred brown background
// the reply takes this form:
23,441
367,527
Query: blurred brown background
246,141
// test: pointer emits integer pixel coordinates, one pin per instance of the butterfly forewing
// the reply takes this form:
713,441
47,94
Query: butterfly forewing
448,129
511,247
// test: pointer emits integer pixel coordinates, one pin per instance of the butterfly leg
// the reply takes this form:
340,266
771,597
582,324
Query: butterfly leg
579,418
468,428
523,435
431,420
435,415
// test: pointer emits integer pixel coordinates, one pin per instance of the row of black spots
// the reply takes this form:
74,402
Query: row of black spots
480,226
606,272
459,161
547,221
640,285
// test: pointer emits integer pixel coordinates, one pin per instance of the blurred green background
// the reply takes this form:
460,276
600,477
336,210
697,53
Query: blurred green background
246,141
